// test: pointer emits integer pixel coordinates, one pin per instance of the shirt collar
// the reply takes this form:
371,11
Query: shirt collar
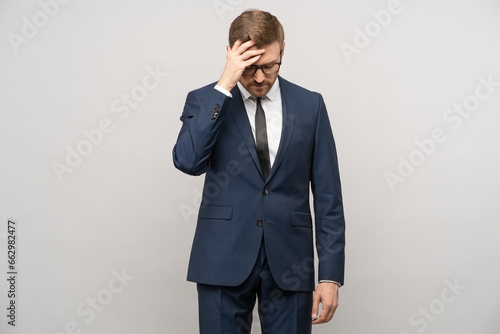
271,95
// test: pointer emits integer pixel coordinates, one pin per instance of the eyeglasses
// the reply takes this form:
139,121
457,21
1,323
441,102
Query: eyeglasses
266,69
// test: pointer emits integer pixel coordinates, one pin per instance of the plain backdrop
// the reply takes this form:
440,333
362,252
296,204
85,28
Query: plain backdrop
420,177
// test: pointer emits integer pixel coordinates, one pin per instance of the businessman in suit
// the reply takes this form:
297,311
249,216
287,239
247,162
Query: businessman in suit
262,142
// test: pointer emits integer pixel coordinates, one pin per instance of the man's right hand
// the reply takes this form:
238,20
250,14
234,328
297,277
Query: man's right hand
238,57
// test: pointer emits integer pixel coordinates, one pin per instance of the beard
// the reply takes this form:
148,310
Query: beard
260,89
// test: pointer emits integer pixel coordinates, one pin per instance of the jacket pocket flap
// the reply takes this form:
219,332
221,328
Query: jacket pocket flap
216,212
301,219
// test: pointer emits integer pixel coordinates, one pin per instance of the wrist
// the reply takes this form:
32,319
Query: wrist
227,86
227,81
329,281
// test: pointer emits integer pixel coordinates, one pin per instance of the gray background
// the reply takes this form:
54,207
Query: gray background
124,207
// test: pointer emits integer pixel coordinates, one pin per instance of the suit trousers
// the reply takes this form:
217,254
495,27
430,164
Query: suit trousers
228,310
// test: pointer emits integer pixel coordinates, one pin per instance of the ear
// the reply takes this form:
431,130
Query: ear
282,49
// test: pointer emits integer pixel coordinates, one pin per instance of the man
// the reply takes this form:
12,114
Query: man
262,142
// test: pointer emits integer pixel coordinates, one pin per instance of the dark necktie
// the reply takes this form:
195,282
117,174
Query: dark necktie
261,139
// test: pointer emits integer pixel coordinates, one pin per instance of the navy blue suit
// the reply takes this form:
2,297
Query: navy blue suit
240,208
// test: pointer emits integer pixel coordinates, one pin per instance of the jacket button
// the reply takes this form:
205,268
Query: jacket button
260,223
265,192
215,112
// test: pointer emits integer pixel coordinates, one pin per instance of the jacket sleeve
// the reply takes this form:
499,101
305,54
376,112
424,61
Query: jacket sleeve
201,121
328,207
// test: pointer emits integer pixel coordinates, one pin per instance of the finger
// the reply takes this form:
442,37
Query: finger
327,312
317,321
315,308
323,316
239,47
246,54
243,49
237,44
248,44
234,47
251,54
335,303
253,51
252,61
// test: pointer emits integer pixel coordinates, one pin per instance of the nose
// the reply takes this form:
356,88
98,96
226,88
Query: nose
259,76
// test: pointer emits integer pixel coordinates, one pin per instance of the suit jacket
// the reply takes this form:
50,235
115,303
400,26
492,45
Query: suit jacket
239,207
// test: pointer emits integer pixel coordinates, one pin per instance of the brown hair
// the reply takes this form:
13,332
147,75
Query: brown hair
262,27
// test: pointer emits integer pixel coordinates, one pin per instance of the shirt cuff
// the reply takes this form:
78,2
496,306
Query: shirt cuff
328,281
223,91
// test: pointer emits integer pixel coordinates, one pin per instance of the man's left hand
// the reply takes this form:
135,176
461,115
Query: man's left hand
328,295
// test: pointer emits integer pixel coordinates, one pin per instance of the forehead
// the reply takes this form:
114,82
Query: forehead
272,52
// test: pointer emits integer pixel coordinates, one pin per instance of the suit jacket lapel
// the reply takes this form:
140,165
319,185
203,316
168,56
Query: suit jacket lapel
288,108
237,109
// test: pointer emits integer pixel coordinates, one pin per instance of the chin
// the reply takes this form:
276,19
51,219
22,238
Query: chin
259,91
